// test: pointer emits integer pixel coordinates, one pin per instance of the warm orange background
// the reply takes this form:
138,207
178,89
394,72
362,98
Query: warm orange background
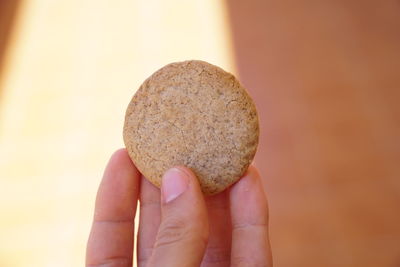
325,76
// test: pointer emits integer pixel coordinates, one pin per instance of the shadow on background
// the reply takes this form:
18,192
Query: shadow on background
8,12
325,78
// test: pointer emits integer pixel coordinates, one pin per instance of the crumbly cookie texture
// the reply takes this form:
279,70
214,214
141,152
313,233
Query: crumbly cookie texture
192,114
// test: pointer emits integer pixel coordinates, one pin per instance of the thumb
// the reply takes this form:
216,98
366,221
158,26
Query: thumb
182,236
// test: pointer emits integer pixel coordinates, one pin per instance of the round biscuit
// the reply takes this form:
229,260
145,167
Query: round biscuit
192,114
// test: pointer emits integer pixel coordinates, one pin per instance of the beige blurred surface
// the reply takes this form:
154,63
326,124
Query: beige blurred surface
326,79
70,70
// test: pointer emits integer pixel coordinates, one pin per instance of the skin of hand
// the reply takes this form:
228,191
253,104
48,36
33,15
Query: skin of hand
178,226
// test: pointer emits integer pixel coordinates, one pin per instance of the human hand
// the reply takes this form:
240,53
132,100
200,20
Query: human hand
177,226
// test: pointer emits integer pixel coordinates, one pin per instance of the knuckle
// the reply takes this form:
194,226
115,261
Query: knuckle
256,224
111,261
171,231
242,261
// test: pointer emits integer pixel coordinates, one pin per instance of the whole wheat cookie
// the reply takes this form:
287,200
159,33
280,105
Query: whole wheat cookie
193,114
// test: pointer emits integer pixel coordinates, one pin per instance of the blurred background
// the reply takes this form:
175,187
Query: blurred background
325,76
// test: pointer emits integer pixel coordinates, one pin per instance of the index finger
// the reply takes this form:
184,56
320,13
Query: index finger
112,234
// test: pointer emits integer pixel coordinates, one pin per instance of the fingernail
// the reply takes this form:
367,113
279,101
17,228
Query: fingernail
174,183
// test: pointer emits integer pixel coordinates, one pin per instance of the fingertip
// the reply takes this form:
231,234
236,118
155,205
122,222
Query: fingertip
187,171
250,179
120,162
120,151
120,156
253,169
253,172
191,176
120,182
247,198
174,183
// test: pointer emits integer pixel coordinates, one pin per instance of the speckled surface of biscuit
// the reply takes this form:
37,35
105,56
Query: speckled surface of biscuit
193,114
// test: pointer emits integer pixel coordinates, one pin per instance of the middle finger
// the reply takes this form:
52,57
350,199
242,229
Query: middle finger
219,243
149,220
